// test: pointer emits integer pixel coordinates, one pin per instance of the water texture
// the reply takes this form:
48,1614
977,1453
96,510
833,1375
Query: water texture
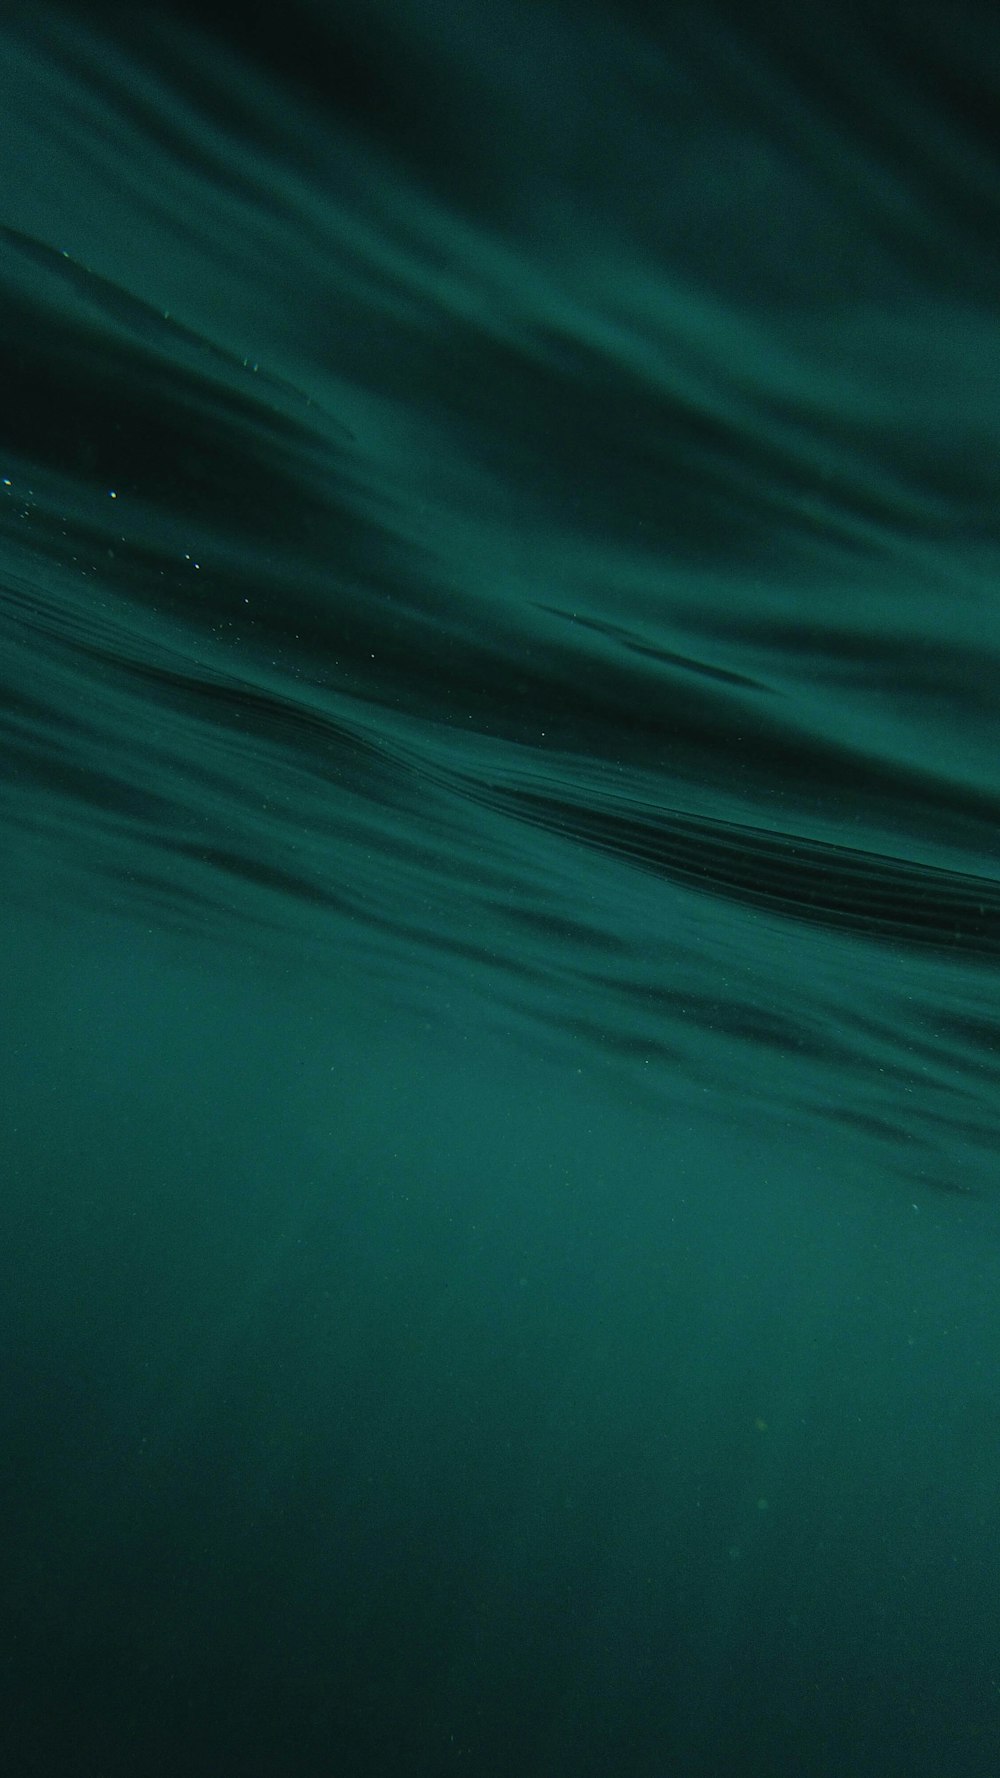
499,536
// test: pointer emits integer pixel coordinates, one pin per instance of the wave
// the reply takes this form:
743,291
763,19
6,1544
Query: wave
520,507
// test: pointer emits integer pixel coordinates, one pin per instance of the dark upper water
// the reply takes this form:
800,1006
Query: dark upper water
500,697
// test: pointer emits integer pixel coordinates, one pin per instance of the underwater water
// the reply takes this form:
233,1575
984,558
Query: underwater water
500,699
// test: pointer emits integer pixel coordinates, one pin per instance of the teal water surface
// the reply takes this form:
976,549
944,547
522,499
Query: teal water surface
499,683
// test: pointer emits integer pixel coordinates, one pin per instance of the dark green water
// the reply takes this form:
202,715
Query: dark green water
500,700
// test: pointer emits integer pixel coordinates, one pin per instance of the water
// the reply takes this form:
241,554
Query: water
499,661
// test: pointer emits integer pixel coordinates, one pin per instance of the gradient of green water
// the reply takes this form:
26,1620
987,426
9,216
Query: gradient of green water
498,683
